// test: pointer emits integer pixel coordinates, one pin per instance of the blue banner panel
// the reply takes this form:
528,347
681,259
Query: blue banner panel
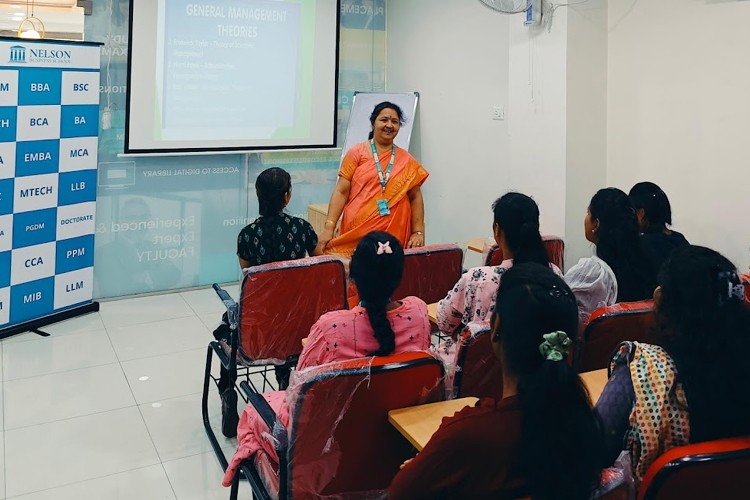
6,196
74,254
79,121
77,187
8,121
4,269
33,228
39,86
37,157
32,300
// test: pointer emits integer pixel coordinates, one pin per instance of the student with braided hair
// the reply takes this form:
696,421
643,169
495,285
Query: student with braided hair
378,326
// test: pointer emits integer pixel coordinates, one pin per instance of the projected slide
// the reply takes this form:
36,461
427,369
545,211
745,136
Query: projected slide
232,74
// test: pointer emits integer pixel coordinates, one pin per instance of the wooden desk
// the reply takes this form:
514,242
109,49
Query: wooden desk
595,382
475,245
316,216
419,423
432,312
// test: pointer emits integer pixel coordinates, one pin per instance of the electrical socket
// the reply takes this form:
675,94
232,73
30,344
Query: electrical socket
498,113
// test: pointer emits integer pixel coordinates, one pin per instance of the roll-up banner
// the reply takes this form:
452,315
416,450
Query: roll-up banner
49,125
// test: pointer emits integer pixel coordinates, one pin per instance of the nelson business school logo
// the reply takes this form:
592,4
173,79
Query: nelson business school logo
21,55
17,54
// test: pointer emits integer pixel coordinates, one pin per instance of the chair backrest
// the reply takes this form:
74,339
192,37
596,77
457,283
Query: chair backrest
608,327
554,245
712,469
340,440
279,303
430,272
478,372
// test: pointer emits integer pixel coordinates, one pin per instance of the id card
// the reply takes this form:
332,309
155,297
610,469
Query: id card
383,208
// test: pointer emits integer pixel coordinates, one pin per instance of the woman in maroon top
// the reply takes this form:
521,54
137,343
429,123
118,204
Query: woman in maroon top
542,440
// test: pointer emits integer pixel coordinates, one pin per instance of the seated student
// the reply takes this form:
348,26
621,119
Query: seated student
516,230
275,235
654,216
377,327
691,384
272,237
621,270
542,439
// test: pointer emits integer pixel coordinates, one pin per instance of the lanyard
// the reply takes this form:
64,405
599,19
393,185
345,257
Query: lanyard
383,180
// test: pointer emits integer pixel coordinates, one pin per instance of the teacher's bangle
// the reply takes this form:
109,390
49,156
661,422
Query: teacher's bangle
420,233
333,222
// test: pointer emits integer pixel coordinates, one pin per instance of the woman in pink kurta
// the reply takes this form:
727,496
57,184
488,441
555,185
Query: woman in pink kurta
516,229
376,327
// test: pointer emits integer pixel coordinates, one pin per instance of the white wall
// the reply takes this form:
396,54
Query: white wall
660,93
455,54
586,126
464,58
679,112
537,117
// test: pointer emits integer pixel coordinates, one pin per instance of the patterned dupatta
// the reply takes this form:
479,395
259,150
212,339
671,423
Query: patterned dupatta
659,420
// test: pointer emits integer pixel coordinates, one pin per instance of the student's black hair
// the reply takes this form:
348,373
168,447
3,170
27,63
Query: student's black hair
518,217
271,186
377,275
561,441
705,329
620,245
656,208
380,107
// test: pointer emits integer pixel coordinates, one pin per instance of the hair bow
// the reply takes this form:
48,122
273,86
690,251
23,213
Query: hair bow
384,248
555,346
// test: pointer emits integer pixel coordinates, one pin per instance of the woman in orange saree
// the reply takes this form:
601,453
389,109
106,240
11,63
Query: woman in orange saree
378,190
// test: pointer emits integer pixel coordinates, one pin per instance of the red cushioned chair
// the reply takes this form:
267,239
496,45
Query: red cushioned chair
555,249
713,469
478,372
608,327
339,442
279,303
430,272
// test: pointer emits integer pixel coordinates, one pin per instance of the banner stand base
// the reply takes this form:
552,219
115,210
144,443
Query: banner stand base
33,326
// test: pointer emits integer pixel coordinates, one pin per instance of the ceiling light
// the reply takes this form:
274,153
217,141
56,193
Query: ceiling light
31,27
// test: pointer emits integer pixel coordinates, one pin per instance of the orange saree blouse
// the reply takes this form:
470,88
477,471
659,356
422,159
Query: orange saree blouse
361,214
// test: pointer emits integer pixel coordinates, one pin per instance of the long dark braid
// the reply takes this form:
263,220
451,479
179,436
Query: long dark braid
377,273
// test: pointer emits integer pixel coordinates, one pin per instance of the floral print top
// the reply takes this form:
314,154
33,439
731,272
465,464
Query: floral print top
473,297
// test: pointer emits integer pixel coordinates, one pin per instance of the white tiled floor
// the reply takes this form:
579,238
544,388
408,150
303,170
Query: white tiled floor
108,406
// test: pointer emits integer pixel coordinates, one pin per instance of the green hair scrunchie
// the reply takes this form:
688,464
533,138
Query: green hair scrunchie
555,346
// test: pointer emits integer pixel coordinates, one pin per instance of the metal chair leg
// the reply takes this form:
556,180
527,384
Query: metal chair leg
204,409
235,485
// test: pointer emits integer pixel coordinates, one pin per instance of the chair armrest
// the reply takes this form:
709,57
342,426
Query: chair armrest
278,431
261,405
233,309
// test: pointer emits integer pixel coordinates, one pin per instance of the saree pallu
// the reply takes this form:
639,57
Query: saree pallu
361,214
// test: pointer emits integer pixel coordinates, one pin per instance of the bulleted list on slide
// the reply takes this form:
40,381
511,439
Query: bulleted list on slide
230,64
